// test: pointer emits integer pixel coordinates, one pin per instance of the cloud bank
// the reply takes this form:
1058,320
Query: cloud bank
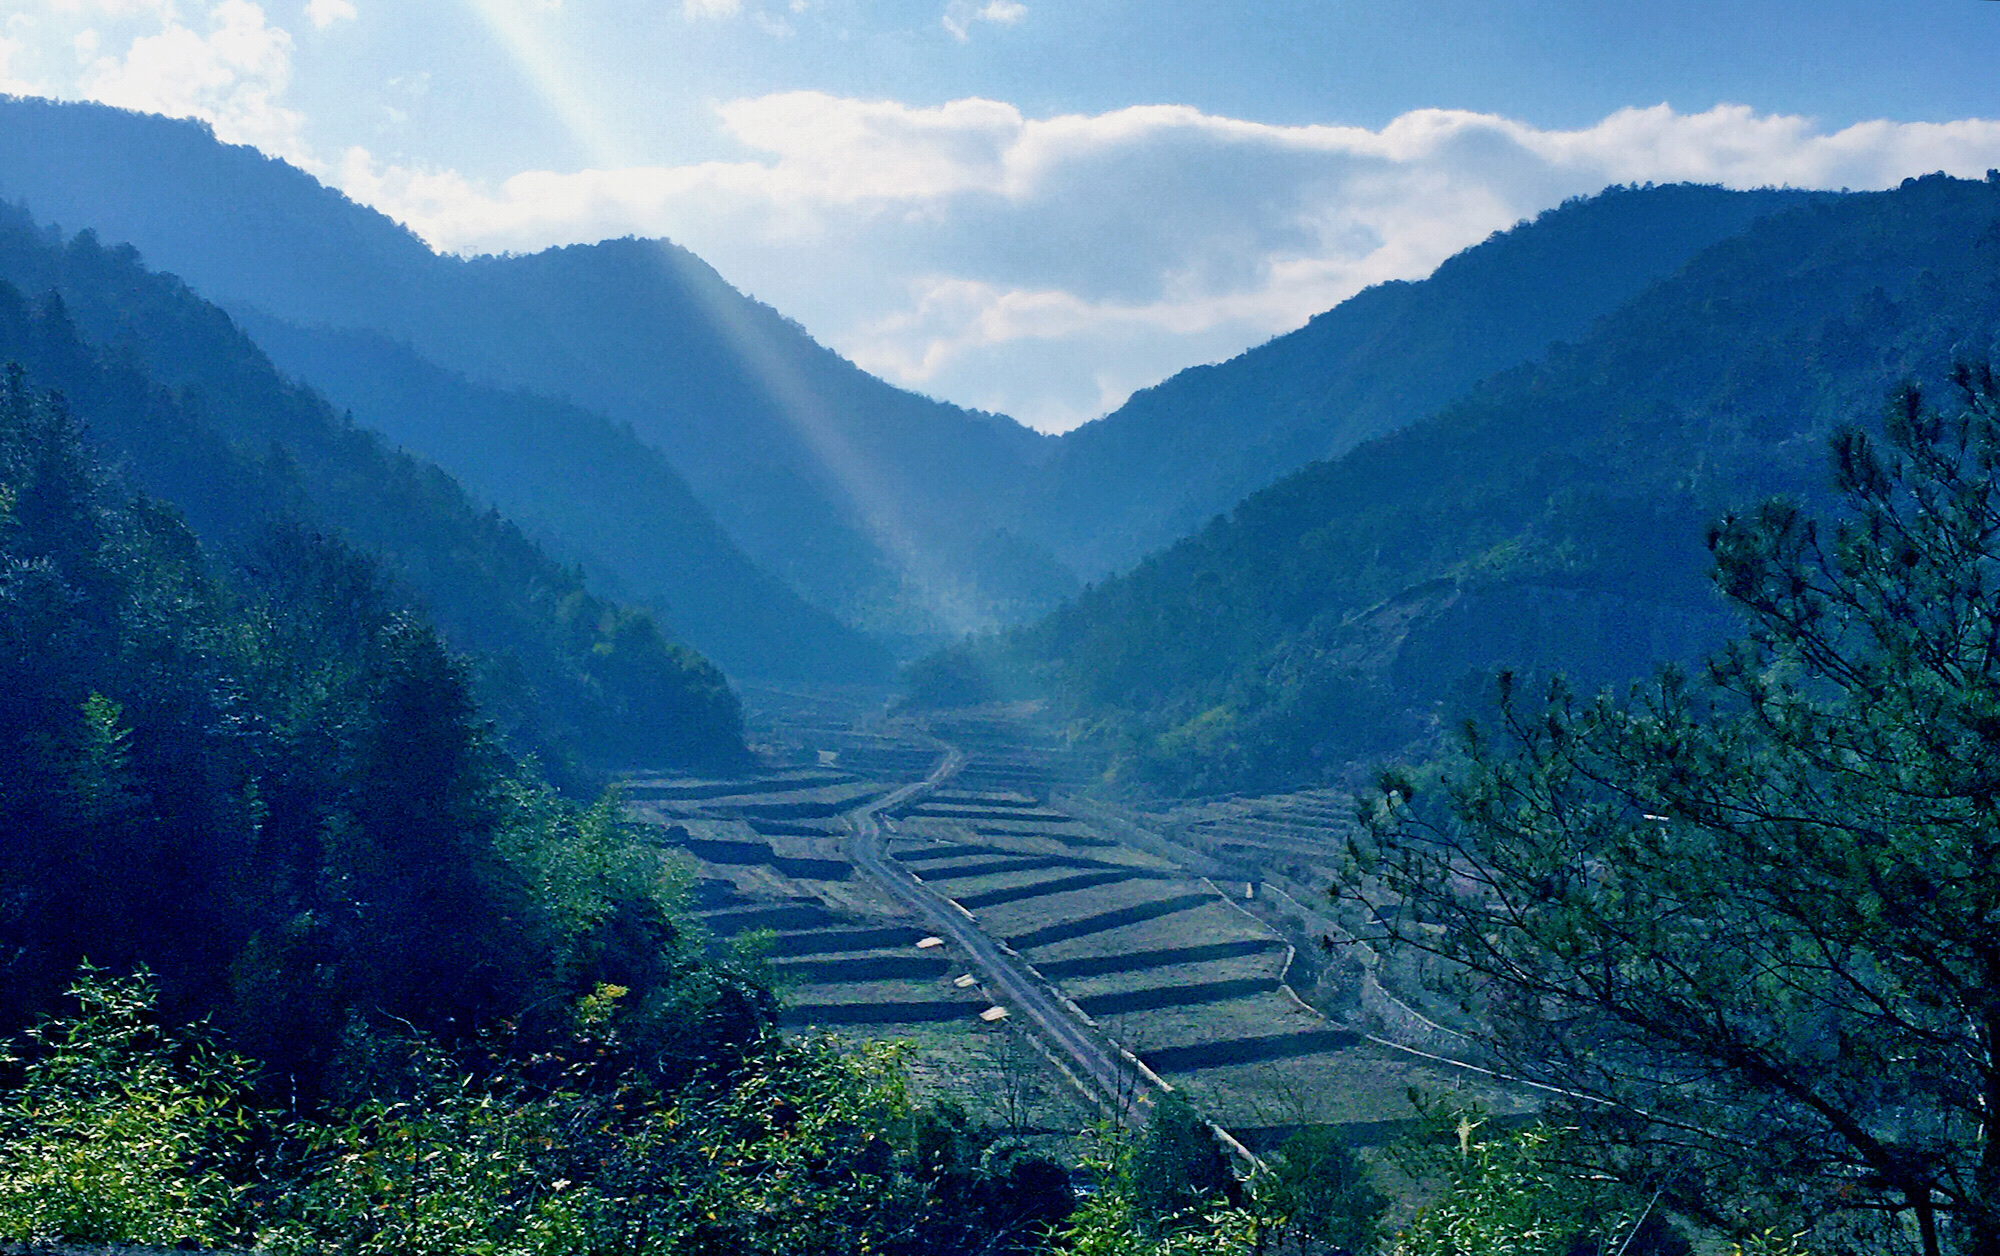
1047,267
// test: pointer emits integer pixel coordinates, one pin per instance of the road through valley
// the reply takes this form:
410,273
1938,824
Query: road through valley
1117,1080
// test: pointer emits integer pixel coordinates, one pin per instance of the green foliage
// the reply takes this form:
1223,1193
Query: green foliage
455,1167
586,488
278,794
798,1152
1178,454
803,457
1323,1192
120,1131
1178,1168
1548,520
1516,1195
1746,921
951,677
1120,1216
198,417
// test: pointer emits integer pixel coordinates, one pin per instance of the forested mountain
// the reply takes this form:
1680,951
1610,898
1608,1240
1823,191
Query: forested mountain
638,533
1554,518
169,386
875,503
1193,446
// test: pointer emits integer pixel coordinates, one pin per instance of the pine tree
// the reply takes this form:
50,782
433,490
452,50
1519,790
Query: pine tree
1749,924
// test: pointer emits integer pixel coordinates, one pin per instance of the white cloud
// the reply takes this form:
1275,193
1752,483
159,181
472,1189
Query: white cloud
694,10
324,13
232,76
225,64
959,15
1046,267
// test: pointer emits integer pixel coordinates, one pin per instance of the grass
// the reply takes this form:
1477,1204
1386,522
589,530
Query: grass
947,850
1196,921
836,941
1169,968
787,828
1009,814
800,1015
896,965
937,871
1177,994
1071,918
1252,1016
724,852
999,895
670,790
1138,961
1364,1089
1239,1051
1258,965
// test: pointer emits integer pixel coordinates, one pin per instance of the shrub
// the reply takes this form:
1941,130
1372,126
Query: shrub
120,1131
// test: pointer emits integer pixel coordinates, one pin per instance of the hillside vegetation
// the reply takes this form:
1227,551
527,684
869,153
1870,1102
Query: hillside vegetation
591,492
1551,519
1191,447
874,503
168,385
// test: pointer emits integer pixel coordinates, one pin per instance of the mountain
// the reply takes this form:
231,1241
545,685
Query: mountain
198,417
1550,519
872,502
591,492
1193,446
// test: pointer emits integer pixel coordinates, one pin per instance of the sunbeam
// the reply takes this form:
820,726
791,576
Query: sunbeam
522,28
874,504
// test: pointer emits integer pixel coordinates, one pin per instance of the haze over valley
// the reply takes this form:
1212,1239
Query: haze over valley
980,627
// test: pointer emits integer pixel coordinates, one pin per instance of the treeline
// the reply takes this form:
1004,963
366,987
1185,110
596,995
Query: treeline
1192,447
268,782
195,414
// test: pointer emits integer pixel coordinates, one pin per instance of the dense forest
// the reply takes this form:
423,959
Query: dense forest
1552,519
265,789
875,504
297,955
589,490
1193,446
168,385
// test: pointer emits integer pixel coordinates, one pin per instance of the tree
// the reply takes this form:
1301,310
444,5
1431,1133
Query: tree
1748,924
1323,1191
1178,1167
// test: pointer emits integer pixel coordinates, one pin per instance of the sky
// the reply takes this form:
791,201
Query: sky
1035,206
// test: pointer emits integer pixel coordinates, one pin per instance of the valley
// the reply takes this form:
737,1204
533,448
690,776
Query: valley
940,879
551,693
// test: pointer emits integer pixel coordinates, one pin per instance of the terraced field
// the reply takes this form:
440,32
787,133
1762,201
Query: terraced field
1193,973
767,853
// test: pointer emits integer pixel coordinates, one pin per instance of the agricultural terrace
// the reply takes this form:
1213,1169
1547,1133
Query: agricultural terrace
1192,972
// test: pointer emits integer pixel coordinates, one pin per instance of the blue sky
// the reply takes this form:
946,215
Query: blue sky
1025,205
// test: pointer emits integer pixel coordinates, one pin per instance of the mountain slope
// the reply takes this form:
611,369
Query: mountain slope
201,419
1191,447
870,500
636,528
1552,519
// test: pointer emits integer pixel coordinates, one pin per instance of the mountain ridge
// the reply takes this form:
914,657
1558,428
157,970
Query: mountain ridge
1194,445
202,420
853,492
1550,519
